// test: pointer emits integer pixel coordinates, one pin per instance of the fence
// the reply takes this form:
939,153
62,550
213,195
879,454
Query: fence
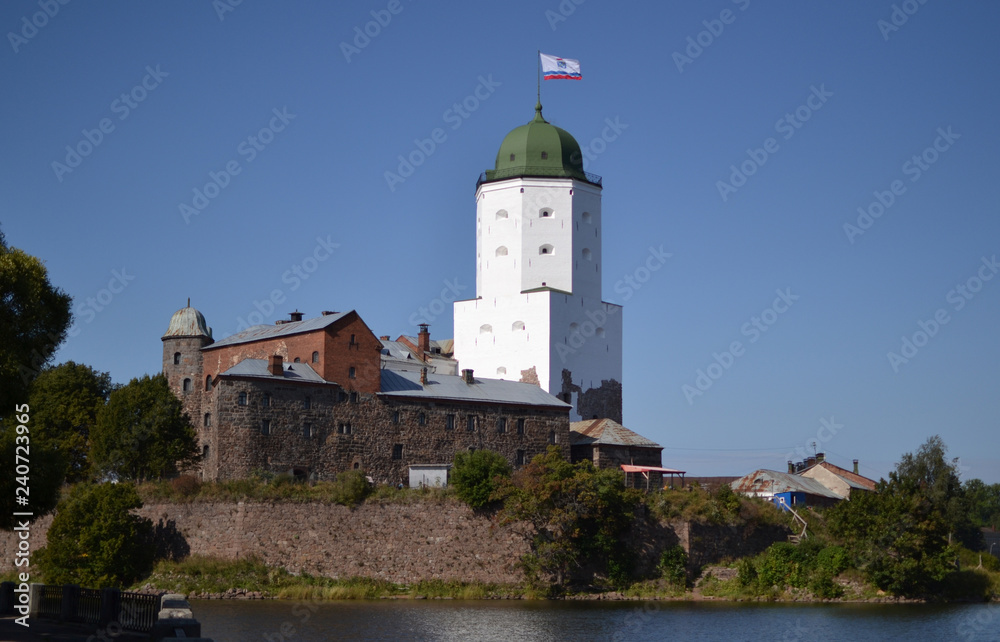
135,612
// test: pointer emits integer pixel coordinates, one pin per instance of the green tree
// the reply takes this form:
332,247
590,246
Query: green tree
65,400
142,432
983,501
46,467
34,317
579,515
474,476
95,541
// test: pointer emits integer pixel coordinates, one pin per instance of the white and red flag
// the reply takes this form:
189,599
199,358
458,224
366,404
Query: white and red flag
554,68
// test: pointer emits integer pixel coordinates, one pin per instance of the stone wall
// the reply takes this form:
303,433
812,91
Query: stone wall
396,542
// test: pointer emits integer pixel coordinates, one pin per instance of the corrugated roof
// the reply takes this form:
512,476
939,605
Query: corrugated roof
258,368
261,332
853,479
606,432
407,384
771,481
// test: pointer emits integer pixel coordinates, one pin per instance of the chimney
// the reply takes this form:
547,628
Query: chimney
810,461
856,467
467,375
791,467
275,366
384,337
423,341
423,376
820,457
294,316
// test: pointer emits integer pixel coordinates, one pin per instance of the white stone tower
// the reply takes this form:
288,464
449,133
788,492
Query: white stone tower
538,314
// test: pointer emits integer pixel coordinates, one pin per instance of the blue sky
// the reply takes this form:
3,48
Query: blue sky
746,136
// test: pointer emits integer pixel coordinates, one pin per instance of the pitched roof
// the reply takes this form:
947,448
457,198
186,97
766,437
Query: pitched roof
852,479
396,383
262,332
606,432
259,368
771,481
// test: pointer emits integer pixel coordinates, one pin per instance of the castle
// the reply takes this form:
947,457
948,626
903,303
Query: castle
537,348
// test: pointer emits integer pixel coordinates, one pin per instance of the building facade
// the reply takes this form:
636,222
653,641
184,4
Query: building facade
539,315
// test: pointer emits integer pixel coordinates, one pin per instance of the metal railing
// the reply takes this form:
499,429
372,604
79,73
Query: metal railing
88,607
137,611
51,601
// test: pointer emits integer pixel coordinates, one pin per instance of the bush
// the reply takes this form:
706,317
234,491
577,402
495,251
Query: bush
673,566
94,540
186,485
350,488
474,476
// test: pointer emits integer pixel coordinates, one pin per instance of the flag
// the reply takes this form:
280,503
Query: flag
553,68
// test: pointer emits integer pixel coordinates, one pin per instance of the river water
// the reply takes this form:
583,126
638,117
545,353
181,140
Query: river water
523,621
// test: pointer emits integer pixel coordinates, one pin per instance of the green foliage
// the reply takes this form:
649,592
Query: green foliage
34,318
673,566
810,565
65,400
142,433
46,467
94,540
983,502
474,476
579,515
351,488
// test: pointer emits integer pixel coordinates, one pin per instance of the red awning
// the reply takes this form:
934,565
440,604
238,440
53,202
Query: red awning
628,468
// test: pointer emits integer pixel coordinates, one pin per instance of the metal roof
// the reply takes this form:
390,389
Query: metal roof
629,468
771,481
606,432
852,479
261,332
291,371
188,322
396,383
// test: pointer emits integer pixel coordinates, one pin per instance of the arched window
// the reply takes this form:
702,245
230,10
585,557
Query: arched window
587,255
545,155
501,214
177,358
502,250
315,357
586,217
546,249
486,328
295,360
573,326
208,383
186,386
501,370
600,332
517,326
545,212
208,419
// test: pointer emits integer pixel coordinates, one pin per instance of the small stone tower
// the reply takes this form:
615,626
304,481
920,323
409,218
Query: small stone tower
182,360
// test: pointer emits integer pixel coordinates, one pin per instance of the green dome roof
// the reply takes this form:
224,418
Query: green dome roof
539,149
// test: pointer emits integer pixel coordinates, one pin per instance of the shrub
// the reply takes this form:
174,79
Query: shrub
474,476
350,488
186,485
673,566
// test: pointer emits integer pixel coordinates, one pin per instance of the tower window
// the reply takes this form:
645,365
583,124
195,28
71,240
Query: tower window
520,426
470,423
501,214
512,158
586,217
587,254
296,360
266,401
545,212
307,403
545,155
307,430
177,358
265,427
421,419
208,419
517,326
501,370
519,458
501,425
449,422
208,383
241,400
502,251
204,451
315,357
545,249
395,417
351,372
486,328
397,451
186,386
552,437
344,429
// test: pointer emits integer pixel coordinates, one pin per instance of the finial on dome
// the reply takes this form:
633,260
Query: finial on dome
538,112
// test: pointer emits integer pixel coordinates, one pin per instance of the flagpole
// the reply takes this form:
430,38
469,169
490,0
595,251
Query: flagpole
538,61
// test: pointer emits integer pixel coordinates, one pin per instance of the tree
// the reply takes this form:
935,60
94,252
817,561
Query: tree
46,468
579,515
474,476
34,317
142,432
65,400
983,502
95,541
